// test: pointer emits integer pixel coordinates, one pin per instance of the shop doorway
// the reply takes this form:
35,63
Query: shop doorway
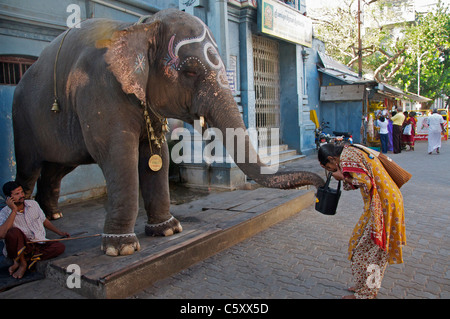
266,66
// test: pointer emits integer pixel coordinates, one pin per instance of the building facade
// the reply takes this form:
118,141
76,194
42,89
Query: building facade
266,45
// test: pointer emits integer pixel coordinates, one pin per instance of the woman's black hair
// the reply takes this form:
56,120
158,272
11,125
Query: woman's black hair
382,118
327,150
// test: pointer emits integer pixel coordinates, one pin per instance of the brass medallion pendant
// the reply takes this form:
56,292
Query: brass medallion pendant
155,161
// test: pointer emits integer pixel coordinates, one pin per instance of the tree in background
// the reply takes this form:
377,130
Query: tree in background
381,49
390,46
429,40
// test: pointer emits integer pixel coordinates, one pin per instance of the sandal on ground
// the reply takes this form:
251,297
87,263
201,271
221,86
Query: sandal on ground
57,215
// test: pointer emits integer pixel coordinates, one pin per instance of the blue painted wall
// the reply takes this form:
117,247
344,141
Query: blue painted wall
7,158
344,116
312,94
289,96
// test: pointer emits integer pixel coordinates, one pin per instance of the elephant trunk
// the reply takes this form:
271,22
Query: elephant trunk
228,116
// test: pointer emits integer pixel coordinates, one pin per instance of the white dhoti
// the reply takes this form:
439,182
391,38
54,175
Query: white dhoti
434,140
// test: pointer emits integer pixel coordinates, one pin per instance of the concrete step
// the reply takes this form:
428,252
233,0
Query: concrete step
210,225
277,155
273,149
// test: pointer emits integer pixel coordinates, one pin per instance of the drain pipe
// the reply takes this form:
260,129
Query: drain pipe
142,6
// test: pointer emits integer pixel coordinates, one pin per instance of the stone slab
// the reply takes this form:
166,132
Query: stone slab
210,225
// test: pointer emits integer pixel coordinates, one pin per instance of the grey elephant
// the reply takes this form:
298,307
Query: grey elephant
111,85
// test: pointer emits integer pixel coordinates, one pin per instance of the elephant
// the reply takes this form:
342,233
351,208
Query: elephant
112,84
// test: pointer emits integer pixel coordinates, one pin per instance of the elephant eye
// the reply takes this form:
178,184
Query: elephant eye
190,73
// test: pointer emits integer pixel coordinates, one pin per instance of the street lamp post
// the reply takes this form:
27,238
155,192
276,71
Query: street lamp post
418,71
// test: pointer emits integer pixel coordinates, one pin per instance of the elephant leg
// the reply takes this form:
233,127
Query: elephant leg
155,192
49,186
121,175
27,174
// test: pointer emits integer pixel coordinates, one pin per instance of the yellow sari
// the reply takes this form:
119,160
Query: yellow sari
383,203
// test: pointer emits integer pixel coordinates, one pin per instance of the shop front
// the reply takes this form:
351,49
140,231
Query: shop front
384,98
353,104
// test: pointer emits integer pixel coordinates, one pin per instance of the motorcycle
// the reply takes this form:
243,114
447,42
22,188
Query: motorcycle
321,137
338,138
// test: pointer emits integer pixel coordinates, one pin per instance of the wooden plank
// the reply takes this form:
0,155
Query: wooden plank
342,93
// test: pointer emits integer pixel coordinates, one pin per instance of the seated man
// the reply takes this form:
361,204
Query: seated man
23,222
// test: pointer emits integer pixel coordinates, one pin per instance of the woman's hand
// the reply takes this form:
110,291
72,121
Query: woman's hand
338,175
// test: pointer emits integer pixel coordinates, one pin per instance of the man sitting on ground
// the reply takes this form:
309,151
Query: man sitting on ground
22,226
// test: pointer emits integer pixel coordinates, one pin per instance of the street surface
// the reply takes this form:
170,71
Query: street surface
305,257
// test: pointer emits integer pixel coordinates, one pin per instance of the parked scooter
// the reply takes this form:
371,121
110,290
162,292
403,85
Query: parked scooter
320,137
338,138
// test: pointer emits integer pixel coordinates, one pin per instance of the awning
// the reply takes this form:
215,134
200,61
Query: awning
338,70
392,91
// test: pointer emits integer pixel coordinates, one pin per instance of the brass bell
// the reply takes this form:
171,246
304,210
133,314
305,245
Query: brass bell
55,106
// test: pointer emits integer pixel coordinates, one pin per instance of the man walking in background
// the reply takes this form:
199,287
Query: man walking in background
397,121
435,127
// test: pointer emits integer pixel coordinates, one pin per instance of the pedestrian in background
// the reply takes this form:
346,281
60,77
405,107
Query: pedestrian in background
435,127
391,130
384,133
379,235
397,121
409,133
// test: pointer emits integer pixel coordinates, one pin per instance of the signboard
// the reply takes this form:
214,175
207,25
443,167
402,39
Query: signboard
422,128
342,93
282,21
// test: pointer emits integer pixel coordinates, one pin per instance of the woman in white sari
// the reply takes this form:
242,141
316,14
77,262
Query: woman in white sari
435,127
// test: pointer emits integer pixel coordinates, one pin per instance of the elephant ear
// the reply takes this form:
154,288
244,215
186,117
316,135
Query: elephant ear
130,53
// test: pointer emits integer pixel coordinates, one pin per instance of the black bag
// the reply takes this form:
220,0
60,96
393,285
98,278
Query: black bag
328,198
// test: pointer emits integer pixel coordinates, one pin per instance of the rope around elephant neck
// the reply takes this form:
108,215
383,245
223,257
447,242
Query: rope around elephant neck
55,107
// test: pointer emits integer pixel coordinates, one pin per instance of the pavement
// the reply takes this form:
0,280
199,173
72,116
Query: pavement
305,256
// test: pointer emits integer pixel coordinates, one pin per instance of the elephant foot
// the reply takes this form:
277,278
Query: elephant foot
120,244
167,228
